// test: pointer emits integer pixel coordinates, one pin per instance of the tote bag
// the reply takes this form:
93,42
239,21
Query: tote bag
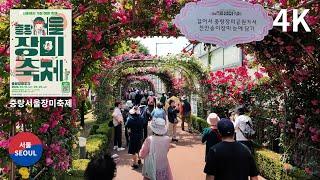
149,166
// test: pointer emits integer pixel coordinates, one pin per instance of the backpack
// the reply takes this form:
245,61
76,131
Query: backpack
186,107
248,131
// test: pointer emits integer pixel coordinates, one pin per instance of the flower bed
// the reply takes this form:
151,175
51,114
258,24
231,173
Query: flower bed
271,167
97,142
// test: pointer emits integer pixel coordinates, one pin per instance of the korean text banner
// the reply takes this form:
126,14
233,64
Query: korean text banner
40,53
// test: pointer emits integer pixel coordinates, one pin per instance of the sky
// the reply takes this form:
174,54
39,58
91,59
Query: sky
171,45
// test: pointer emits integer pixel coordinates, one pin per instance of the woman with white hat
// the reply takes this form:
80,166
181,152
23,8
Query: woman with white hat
154,152
135,126
210,135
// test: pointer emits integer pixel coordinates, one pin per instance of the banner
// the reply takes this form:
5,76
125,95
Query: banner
223,22
40,53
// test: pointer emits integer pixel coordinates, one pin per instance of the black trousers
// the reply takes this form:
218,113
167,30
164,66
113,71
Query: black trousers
145,131
126,134
249,145
118,135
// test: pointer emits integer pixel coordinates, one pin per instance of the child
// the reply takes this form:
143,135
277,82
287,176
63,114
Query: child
211,135
154,152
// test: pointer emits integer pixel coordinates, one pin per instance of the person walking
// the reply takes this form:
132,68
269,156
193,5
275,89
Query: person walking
173,119
138,98
158,112
210,135
163,98
243,127
151,101
135,126
125,114
154,152
117,120
186,114
229,160
145,116
132,95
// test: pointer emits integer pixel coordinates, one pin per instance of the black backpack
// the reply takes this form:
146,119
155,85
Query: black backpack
186,107
248,132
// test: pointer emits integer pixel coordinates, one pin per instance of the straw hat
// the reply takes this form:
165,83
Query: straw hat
212,117
158,126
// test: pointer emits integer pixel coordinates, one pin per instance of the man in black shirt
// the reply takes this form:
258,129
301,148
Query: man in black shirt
229,160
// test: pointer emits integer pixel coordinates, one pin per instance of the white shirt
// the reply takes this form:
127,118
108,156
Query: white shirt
240,122
117,116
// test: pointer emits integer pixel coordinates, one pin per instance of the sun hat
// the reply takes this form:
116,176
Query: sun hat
129,104
134,110
225,127
158,126
184,97
212,117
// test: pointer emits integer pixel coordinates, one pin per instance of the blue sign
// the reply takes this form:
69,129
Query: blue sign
25,149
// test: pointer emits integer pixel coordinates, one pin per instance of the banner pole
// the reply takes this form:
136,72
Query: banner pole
12,166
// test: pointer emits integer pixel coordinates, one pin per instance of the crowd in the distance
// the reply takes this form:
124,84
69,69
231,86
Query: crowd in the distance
229,150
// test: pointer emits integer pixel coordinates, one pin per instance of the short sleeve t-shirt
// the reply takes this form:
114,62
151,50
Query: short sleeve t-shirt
230,161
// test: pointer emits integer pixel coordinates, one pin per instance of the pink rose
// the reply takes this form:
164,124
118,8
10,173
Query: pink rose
101,1
62,131
310,49
308,170
7,68
314,102
258,75
97,54
44,128
311,20
49,161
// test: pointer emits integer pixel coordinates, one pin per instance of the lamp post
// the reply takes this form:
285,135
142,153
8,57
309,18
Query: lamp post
160,43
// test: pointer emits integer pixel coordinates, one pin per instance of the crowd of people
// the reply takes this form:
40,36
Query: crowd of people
229,150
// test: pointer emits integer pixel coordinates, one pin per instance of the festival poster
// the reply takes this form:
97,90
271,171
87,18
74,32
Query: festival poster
40,53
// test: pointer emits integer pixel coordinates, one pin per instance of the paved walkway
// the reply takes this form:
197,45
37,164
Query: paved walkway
186,160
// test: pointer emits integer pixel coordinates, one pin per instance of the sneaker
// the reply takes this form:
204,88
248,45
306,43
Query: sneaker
115,147
121,149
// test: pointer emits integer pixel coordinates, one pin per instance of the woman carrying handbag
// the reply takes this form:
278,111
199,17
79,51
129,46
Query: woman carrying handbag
154,152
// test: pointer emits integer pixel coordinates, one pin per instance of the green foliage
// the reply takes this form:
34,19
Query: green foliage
95,144
77,170
87,106
103,129
93,129
271,167
199,123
